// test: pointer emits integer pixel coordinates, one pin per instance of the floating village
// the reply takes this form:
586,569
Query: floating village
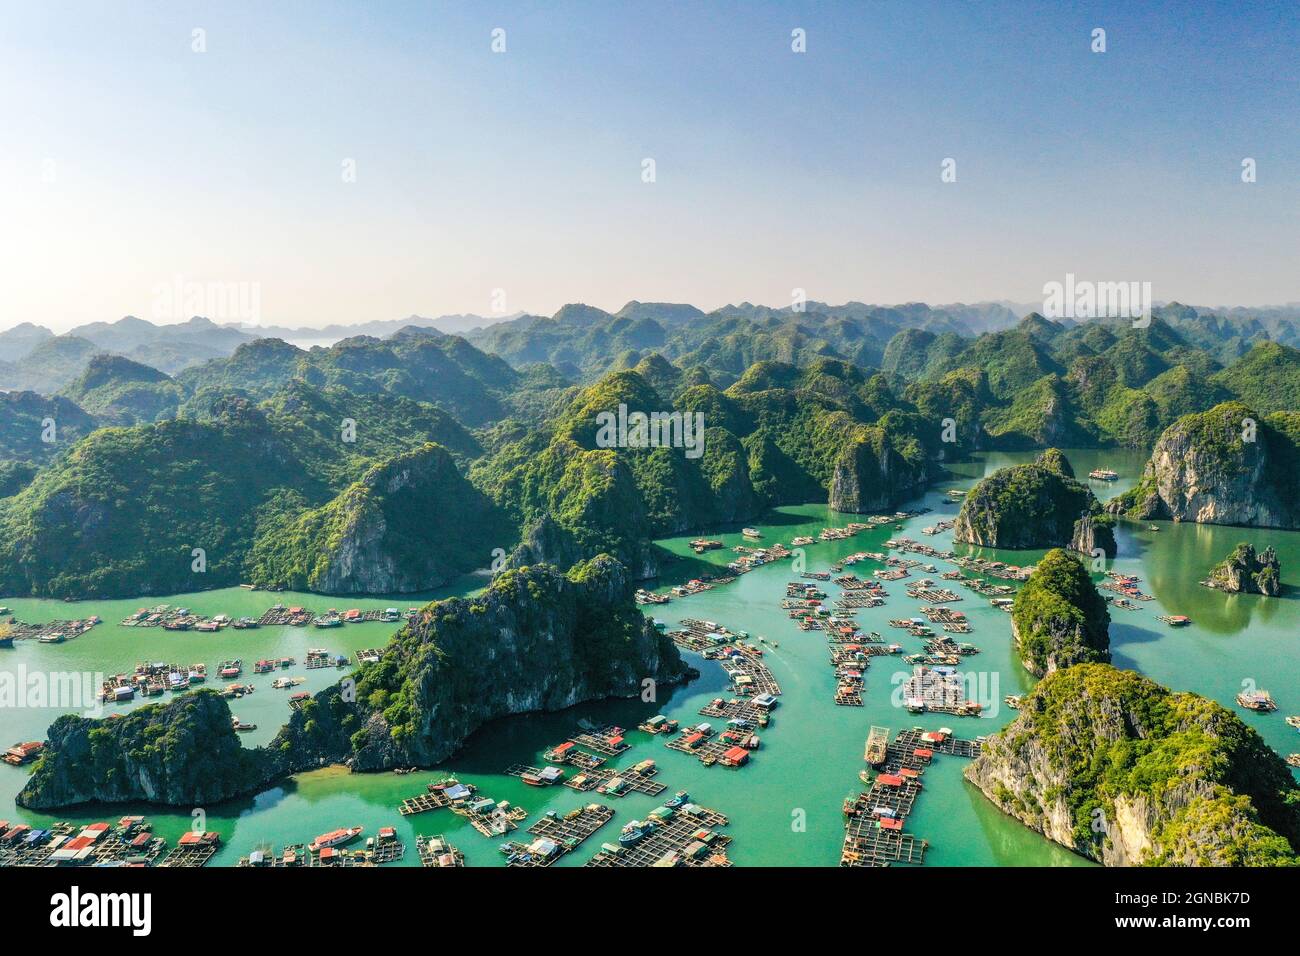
593,760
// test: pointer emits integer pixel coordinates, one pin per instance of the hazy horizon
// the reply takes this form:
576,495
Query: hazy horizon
142,154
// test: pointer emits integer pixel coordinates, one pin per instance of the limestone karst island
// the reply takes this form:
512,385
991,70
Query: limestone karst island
853,436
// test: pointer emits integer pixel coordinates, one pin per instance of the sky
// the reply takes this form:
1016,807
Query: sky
133,165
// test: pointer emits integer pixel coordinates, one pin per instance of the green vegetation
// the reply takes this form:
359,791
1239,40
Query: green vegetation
1130,764
1245,571
119,391
1059,619
123,512
555,639
1027,506
181,753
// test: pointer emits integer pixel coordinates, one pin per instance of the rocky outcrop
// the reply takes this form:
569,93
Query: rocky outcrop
871,474
182,753
1125,772
1224,466
535,640
1059,619
412,523
1094,533
1246,571
1054,459
1030,506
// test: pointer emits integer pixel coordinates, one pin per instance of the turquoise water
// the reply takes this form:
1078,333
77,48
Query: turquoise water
785,805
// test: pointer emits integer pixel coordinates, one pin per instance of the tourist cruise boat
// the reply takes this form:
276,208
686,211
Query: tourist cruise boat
335,838
1103,474
1260,700
751,532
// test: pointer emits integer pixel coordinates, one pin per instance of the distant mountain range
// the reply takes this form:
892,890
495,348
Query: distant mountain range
583,341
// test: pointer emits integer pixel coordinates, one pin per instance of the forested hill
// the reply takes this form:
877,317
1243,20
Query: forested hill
283,464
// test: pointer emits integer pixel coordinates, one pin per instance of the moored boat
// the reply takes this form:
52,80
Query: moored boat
335,838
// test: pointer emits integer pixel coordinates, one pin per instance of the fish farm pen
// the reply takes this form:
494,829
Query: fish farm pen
436,852
557,836
874,820
686,838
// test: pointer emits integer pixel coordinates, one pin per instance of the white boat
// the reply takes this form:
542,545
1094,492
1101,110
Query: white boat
335,838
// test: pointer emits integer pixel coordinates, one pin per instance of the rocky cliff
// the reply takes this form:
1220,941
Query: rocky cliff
1032,506
872,474
1224,466
1094,533
412,523
1244,570
1059,619
1124,771
535,640
181,753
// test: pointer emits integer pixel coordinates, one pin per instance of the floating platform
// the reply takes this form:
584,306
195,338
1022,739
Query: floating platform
686,837
557,836
436,852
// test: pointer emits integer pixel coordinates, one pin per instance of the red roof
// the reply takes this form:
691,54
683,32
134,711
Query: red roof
736,755
891,823
908,772
78,843
889,780
615,741
563,748
925,753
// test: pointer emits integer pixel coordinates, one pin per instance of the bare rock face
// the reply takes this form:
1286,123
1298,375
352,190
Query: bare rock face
1217,467
1094,533
181,753
1245,571
412,523
872,475
1123,771
536,640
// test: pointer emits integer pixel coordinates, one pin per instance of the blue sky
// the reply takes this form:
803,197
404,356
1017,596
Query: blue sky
128,160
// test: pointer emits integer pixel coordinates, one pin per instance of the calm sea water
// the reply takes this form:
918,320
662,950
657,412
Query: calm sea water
784,806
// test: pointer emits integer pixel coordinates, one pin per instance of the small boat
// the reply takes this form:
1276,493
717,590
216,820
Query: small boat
335,838
1293,722
634,832
1173,620
1103,474
1153,527
677,799
241,726
751,532
865,776
1012,701
329,620
1293,760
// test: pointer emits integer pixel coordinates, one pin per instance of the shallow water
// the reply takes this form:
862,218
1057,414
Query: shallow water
785,805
